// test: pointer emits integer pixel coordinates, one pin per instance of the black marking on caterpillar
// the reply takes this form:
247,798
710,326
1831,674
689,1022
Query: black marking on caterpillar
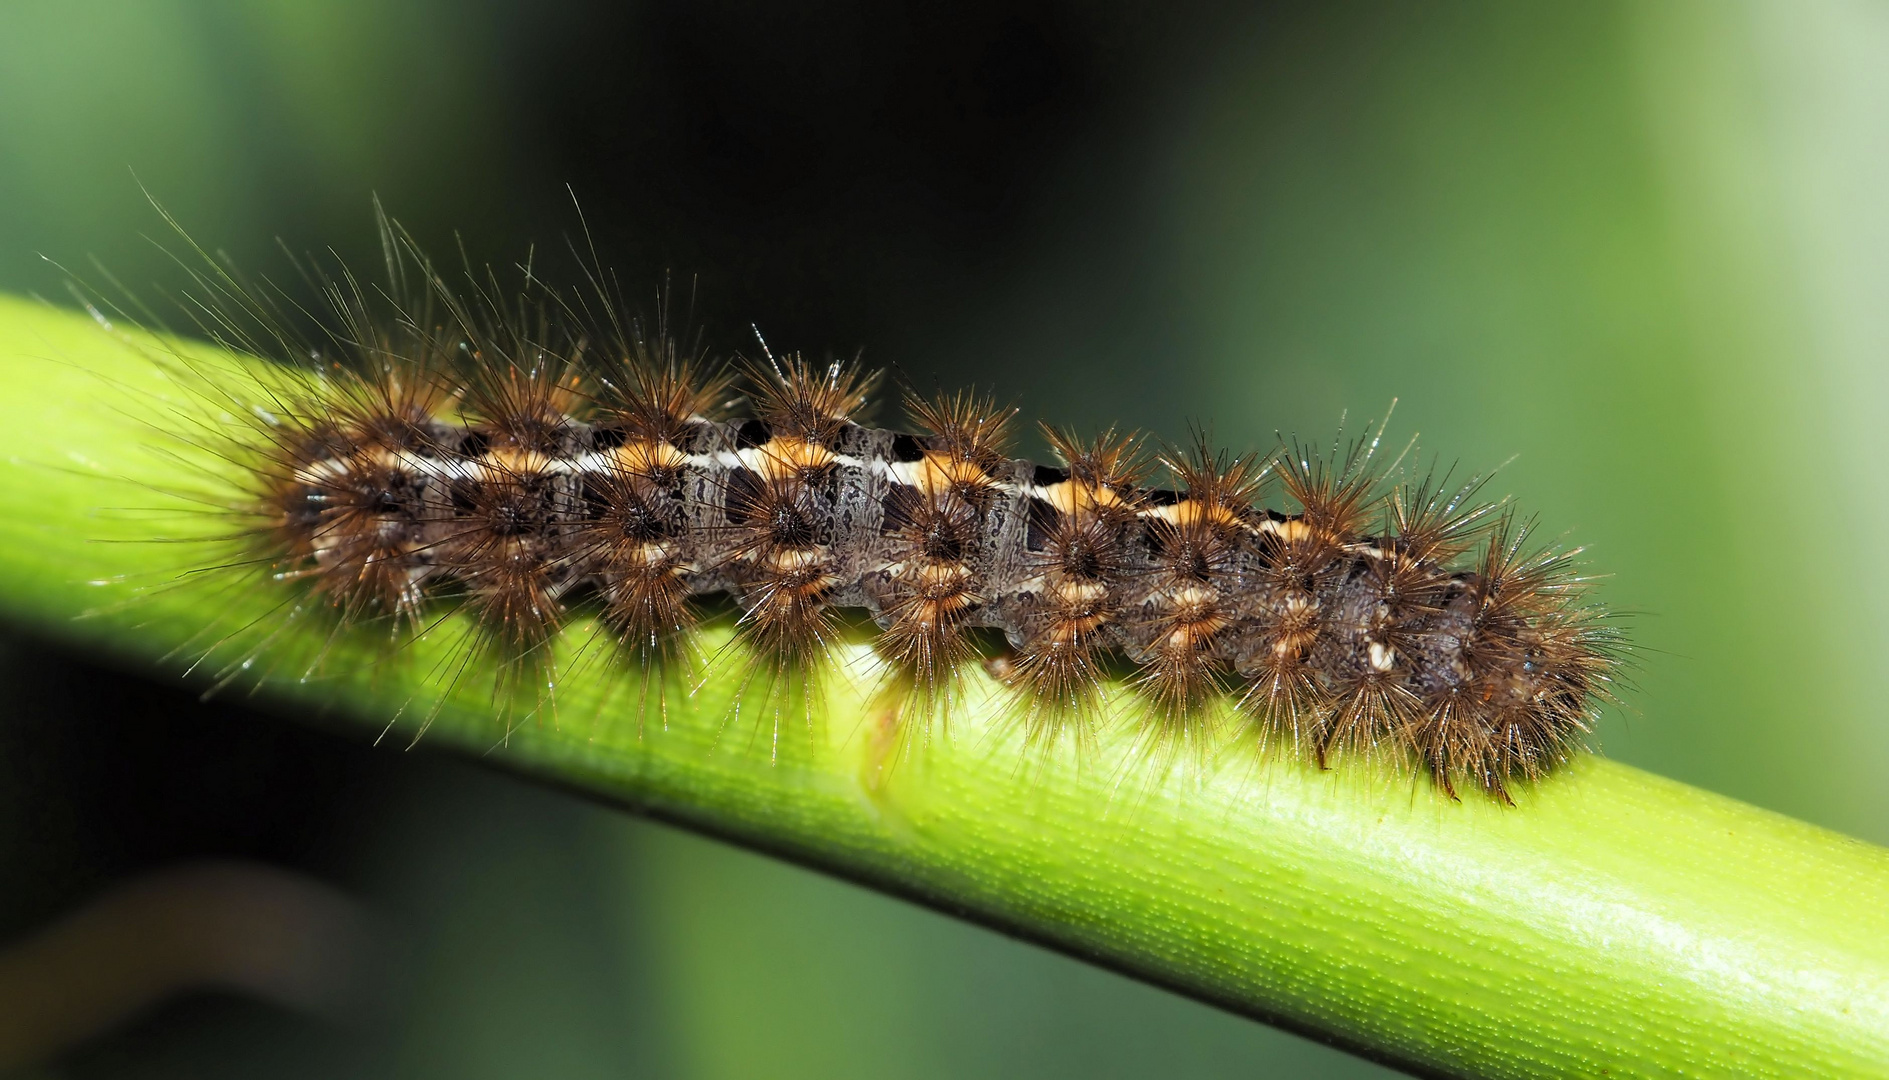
442,445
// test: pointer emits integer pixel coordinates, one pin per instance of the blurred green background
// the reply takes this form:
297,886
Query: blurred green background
1638,252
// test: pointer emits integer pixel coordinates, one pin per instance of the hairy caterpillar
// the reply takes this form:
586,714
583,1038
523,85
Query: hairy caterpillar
522,454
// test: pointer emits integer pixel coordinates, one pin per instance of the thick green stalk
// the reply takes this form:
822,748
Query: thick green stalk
1612,923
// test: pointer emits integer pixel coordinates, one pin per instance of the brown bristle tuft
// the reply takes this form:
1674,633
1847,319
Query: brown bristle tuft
1189,599
347,510
1083,561
800,400
1370,712
965,426
508,543
1336,495
1433,523
1108,460
652,393
634,534
781,529
938,535
527,409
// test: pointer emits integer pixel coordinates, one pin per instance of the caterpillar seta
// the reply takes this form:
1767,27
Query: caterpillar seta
523,453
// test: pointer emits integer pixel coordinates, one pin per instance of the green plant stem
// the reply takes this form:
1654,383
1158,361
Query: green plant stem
1612,923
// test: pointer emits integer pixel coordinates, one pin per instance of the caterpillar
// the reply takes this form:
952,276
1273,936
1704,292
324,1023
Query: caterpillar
522,455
